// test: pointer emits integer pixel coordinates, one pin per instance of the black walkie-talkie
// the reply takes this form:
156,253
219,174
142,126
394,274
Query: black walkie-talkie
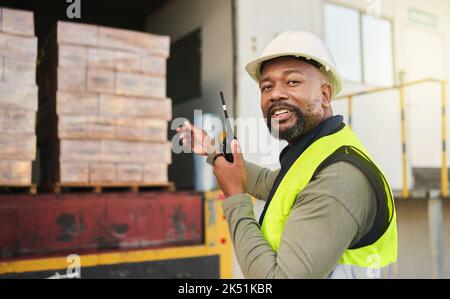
226,147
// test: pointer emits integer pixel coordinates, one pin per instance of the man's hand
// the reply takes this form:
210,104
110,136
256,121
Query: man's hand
196,139
232,177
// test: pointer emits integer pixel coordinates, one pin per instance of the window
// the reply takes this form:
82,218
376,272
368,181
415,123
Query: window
377,48
361,45
344,40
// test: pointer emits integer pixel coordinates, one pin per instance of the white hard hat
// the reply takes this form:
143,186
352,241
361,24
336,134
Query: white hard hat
299,44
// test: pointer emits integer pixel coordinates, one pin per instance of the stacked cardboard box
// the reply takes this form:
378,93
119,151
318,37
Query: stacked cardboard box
18,96
103,109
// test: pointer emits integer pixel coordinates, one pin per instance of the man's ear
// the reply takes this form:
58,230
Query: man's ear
327,95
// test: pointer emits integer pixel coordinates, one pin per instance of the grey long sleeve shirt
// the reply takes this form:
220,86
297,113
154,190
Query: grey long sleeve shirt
333,212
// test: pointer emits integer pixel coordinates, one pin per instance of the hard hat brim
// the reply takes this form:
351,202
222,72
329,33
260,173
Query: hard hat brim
332,75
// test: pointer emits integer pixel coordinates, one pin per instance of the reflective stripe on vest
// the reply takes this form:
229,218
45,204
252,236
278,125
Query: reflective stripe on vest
364,262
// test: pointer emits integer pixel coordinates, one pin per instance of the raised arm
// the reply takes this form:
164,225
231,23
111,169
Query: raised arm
260,179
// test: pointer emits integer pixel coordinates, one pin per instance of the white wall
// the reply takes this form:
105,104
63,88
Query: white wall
424,52
376,118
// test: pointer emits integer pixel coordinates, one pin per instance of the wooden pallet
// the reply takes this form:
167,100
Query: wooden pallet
111,187
13,189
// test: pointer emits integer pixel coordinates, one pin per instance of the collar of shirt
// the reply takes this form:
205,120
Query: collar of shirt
291,152
327,127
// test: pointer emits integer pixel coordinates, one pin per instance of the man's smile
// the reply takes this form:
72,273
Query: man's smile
281,114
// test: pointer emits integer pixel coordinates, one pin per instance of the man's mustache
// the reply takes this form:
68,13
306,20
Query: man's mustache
278,105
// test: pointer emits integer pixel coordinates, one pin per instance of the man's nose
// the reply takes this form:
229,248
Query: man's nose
278,93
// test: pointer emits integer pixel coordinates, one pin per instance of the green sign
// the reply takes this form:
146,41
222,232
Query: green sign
423,18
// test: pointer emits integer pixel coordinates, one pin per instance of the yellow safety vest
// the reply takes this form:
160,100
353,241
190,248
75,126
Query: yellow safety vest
371,261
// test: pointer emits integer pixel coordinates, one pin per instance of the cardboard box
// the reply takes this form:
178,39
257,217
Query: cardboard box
14,172
18,97
77,103
71,79
135,107
155,173
18,47
112,38
17,72
107,127
74,172
17,147
135,152
140,85
119,60
102,173
100,80
114,151
20,22
77,34
92,173
131,173
17,121
80,150
72,56
107,81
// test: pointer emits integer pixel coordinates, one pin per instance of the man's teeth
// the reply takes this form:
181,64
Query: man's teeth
279,112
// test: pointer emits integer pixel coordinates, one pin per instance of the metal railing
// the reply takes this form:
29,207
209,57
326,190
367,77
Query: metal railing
405,192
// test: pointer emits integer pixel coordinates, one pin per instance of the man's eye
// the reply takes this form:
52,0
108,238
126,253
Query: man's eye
293,82
265,87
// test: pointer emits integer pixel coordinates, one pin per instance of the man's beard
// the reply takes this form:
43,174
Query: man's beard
288,134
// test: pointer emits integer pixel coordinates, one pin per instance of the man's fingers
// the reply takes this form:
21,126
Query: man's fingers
237,152
193,130
236,147
197,132
220,162
185,138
